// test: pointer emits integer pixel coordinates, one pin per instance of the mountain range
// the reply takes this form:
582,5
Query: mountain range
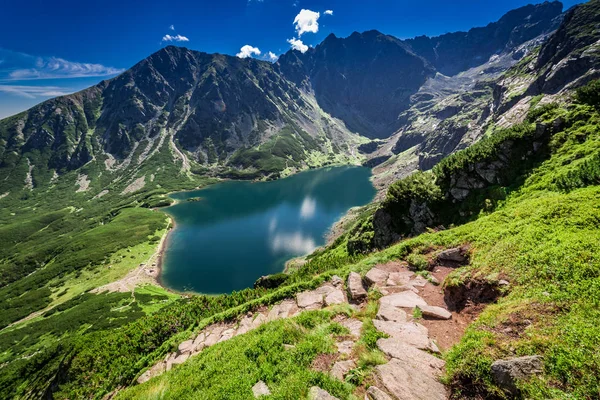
219,115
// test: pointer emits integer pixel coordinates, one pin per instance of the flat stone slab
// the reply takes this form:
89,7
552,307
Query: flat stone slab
214,335
260,389
281,310
157,369
355,287
374,393
376,276
325,289
227,334
341,368
335,297
316,393
310,300
407,299
400,278
404,381
391,313
345,347
419,359
435,312
411,333
354,326
185,346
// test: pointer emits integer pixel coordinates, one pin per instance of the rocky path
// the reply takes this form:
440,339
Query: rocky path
414,367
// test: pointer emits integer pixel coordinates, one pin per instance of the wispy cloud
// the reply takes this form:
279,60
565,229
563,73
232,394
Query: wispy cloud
247,51
172,27
297,44
20,66
307,21
328,12
32,92
175,38
272,56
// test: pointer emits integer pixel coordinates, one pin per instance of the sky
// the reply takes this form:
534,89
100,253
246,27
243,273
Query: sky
51,48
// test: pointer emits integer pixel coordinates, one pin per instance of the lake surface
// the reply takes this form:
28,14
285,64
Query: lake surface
238,231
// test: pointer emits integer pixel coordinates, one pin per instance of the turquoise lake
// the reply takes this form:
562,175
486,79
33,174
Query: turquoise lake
237,231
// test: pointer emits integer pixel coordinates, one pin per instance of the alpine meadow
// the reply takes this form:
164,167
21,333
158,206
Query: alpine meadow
365,217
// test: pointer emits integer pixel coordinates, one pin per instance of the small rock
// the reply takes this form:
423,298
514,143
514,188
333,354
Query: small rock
335,297
156,370
456,255
185,346
310,300
419,281
354,326
316,393
406,299
435,281
325,289
507,372
341,368
288,347
375,393
376,276
503,282
391,313
435,312
337,281
260,389
345,347
355,287
226,335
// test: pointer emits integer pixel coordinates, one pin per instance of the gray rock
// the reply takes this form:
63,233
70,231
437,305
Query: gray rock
345,347
325,289
355,287
456,255
406,299
337,281
156,370
391,313
341,368
400,278
375,393
227,334
507,373
214,336
260,389
311,300
316,393
435,312
376,276
335,297
354,326
408,382
410,333
398,349
185,346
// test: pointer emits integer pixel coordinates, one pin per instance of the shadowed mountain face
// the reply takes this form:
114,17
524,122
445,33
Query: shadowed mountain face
367,79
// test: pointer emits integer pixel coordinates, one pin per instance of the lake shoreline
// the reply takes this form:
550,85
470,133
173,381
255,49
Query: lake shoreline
331,233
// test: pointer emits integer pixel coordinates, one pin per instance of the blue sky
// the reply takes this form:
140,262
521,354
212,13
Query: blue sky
51,48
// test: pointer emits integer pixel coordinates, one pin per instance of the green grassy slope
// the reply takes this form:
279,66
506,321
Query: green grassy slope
542,238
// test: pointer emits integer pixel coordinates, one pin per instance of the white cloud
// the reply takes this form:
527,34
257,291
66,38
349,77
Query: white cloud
21,66
328,12
172,27
307,21
298,45
295,243
32,92
272,56
176,38
308,208
247,51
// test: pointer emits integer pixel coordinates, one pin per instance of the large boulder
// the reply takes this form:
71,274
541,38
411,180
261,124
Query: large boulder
376,276
356,288
507,373
310,300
